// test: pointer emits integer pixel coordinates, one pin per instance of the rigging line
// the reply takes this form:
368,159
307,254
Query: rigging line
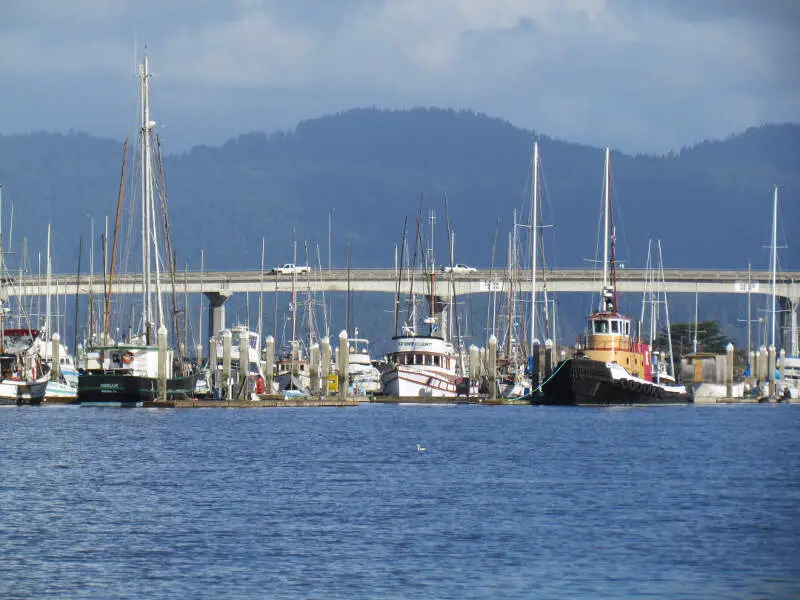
170,253
399,276
413,265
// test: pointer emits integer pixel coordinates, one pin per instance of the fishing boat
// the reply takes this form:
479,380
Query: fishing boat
427,364
363,376
23,373
127,373
424,365
611,366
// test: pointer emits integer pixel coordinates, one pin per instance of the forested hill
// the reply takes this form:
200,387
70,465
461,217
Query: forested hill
364,170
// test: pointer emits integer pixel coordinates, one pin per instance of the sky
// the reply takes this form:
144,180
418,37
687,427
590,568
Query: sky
642,76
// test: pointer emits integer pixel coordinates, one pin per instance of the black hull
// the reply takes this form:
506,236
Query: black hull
585,382
108,389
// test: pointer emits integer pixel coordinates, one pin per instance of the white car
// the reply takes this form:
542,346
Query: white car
290,269
459,268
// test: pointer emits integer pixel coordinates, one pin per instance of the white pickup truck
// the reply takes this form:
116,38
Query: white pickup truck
290,269
459,269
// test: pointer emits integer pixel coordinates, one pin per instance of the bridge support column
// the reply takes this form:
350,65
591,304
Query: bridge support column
216,314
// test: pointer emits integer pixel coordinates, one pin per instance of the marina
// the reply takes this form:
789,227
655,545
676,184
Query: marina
444,299
140,345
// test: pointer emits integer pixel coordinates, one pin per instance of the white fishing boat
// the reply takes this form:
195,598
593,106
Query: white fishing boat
427,364
424,365
23,373
363,376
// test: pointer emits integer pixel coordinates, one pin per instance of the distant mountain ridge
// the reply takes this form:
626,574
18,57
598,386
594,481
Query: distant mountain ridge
365,169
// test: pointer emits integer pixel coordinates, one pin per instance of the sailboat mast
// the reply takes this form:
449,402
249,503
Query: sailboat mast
144,166
114,243
534,238
49,267
774,261
606,204
294,295
261,296
696,300
666,310
91,281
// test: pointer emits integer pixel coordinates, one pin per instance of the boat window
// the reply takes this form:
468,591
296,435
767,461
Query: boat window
614,326
435,361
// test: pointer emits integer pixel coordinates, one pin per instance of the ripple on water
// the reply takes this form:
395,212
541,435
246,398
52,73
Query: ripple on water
517,502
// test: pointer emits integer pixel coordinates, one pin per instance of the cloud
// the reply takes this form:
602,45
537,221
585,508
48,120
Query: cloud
641,76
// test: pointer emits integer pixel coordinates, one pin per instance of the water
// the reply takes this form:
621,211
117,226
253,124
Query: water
507,502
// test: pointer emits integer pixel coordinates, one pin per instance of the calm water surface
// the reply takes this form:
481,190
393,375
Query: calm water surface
507,502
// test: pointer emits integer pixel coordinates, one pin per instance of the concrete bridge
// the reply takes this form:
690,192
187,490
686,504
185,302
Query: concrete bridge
218,286
385,280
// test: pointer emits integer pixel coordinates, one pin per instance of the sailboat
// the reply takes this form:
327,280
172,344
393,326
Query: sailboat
127,373
23,373
788,387
612,367
63,384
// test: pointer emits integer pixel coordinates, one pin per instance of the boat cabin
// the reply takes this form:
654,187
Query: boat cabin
609,340
427,351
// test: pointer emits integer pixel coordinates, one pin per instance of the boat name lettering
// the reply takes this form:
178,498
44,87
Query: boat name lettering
110,387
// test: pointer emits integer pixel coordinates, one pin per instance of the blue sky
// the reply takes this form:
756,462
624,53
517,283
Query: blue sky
642,76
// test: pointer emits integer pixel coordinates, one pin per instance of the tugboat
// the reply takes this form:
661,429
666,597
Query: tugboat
611,367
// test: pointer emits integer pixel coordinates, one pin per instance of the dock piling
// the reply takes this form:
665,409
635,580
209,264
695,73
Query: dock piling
344,357
313,367
269,362
224,383
729,370
325,352
771,372
162,363
244,361
492,368
55,352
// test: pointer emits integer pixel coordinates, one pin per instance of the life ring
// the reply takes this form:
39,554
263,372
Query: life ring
261,386
127,357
